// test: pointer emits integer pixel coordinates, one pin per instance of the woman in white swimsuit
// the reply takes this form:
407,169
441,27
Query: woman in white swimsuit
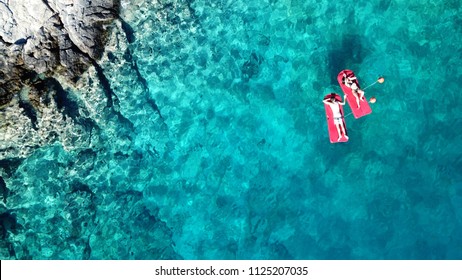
334,104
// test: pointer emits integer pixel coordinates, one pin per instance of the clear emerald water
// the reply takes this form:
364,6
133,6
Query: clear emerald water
238,164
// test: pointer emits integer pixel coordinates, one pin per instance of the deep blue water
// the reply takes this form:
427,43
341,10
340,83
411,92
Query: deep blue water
217,146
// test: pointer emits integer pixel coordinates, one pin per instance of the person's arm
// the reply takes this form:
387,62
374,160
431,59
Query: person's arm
325,101
344,100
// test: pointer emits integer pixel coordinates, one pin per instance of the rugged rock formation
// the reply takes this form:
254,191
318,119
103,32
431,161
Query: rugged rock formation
41,42
40,37
93,126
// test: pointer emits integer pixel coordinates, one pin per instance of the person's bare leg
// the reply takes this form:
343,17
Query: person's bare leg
338,132
361,94
344,132
355,93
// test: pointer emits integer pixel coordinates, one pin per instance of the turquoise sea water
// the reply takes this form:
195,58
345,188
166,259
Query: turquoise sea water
217,146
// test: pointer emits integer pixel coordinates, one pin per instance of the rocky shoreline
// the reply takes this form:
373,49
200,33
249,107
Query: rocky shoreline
45,47
75,106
